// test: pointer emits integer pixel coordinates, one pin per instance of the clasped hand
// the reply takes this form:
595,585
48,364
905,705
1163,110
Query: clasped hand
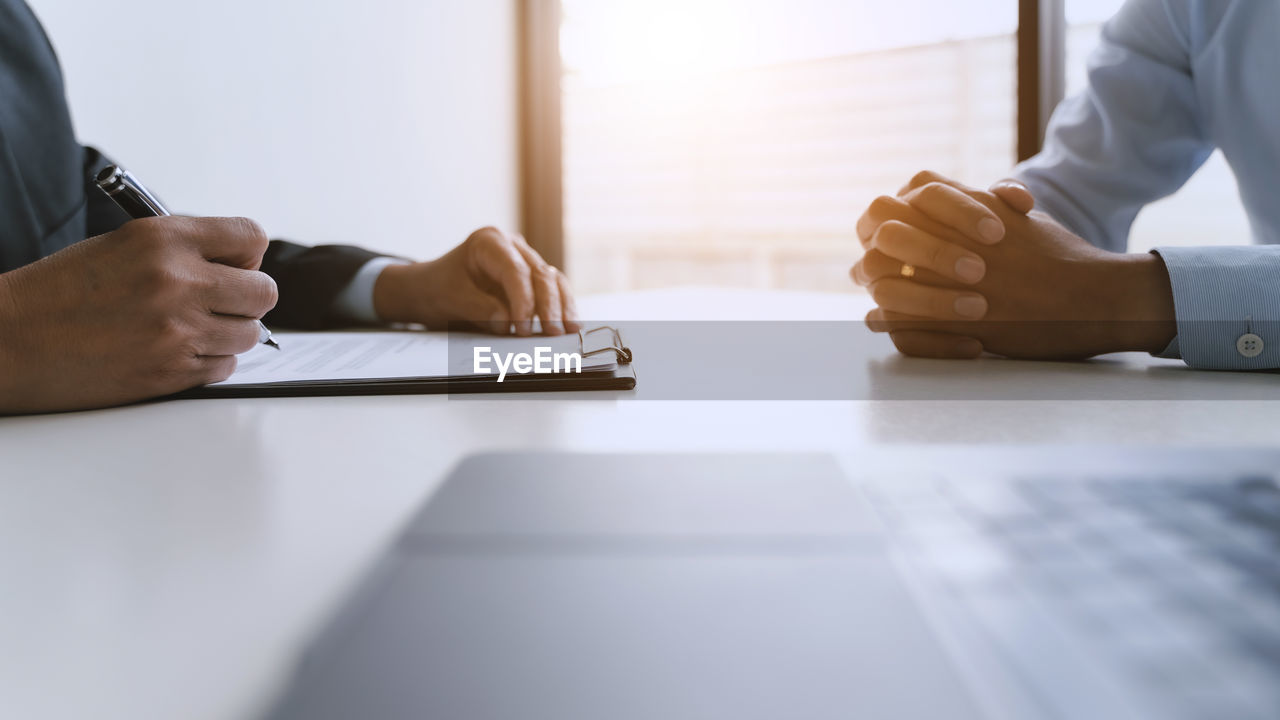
990,275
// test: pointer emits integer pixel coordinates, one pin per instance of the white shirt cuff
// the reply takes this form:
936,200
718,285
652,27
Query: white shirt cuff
355,302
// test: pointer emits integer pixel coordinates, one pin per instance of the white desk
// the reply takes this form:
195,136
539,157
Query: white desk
167,560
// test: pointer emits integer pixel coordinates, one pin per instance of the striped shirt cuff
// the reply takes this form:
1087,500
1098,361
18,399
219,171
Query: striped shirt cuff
1227,301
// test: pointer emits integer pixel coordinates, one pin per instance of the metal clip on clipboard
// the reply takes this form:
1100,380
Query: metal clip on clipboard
620,349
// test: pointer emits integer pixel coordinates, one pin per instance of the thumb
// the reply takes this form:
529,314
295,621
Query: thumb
1015,194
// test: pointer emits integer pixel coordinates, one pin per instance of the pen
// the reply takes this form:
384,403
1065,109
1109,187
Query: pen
133,197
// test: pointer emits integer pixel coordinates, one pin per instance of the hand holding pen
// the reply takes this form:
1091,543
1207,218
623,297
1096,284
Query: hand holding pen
157,306
134,198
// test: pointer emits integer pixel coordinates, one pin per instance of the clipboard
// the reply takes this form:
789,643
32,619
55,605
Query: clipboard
606,365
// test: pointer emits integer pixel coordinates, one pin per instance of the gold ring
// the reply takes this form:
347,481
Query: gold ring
907,271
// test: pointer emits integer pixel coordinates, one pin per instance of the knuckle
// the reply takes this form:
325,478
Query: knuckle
520,272
544,275
251,231
250,228
856,272
884,205
890,233
169,332
487,234
925,177
218,370
156,244
266,293
159,278
932,192
867,269
879,291
177,366
150,232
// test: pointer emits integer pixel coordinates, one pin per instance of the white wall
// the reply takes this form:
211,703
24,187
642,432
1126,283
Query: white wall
386,123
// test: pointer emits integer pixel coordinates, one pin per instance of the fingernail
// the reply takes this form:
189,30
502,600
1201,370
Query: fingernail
524,328
500,322
970,269
971,306
553,328
991,230
969,347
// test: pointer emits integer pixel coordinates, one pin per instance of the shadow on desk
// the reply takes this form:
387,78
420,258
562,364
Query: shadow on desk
843,361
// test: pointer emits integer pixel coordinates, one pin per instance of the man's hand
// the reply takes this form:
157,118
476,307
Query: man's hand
890,242
493,281
1042,293
159,306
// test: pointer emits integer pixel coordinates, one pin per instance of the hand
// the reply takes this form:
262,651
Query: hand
890,243
492,281
1046,293
159,306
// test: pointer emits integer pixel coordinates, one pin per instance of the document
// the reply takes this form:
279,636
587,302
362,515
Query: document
354,357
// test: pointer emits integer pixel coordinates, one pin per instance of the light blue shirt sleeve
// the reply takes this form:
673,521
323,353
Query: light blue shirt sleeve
1132,137
1136,135
355,302
1227,301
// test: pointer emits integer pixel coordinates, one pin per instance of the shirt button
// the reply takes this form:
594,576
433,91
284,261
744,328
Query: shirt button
1250,345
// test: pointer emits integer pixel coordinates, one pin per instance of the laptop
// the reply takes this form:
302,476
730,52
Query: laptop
561,586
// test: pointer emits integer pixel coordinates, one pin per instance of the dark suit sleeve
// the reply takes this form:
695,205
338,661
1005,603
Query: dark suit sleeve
309,278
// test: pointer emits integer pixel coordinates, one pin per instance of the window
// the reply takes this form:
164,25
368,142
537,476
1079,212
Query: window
735,142
1207,210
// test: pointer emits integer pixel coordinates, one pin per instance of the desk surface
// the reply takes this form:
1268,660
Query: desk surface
167,560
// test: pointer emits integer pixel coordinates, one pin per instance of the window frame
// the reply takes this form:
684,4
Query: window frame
541,141
1041,84
1042,76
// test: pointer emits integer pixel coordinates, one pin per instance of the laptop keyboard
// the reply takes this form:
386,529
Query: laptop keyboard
1157,594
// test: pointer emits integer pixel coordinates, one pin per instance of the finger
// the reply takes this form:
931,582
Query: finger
212,369
501,262
927,177
546,288
1015,195
912,298
881,210
485,311
875,265
956,209
221,335
238,242
919,337
548,304
245,293
569,306
918,248
879,320
942,346
883,321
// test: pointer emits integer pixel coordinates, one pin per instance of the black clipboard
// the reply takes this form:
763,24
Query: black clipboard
621,376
